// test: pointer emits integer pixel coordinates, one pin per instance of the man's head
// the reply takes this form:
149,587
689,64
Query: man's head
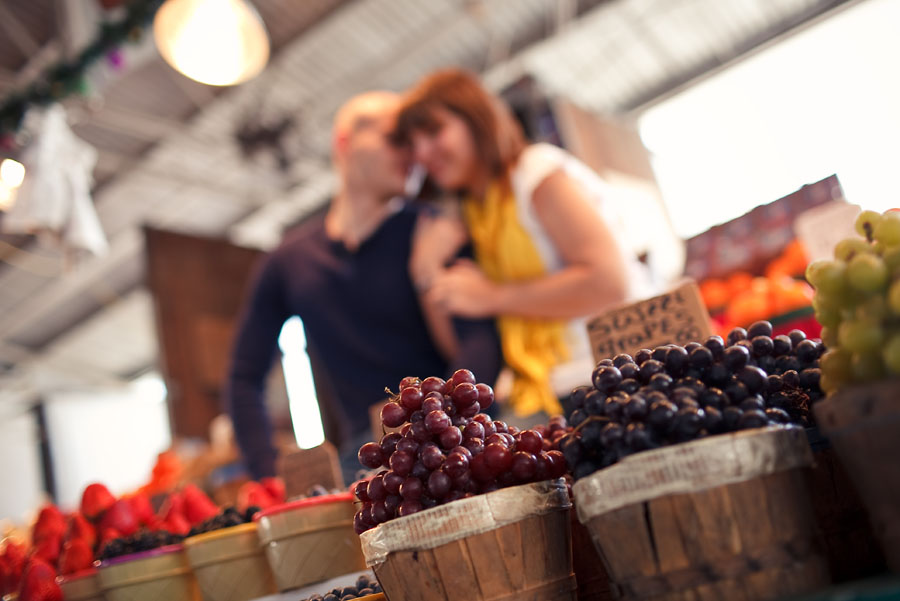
362,149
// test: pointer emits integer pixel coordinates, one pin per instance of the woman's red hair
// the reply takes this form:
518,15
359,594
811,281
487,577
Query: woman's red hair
498,136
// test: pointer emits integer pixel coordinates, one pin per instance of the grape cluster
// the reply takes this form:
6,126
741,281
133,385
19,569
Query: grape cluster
228,518
857,301
674,394
446,449
365,585
143,540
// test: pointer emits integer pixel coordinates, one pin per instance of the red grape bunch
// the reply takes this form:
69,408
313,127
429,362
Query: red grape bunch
446,450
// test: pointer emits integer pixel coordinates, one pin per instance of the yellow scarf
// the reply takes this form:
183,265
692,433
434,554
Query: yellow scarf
506,253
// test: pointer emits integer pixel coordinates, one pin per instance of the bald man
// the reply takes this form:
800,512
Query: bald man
346,275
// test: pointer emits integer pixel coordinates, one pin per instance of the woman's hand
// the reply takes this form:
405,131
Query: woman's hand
462,289
437,240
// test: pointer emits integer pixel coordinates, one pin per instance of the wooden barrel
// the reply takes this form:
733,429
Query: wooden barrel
851,547
863,424
722,518
590,573
513,544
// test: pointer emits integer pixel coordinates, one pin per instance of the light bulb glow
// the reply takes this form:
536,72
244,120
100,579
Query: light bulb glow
216,42
12,173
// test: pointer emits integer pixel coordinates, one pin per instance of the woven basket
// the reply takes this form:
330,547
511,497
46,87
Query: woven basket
81,586
230,564
160,574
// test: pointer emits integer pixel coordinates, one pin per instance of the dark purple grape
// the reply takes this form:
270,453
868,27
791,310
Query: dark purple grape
360,490
796,336
777,415
701,358
611,435
590,432
781,345
370,455
456,464
688,422
436,422
584,469
653,396
392,502
480,470
485,395
578,416
419,432
642,355
736,335
736,392
376,490
661,414
431,456
473,430
409,507
393,415
401,463
713,397
716,345
432,403
571,448
753,402
380,514
412,488
432,384
661,382
389,443
523,466
439,485
408,445
731,417
530,441
635,409
735,357
753,378
622,359
759,328
630,371
807,351
451,437
411,398
637,438
753,419
629,386
392,482
605,378
762,346
419,471
690,346
791,379
613,408
659,354
460,376
713,422
594,402
766,363
809,378
676,360
416,416
649,368
774,384
717,375
465,394
576,399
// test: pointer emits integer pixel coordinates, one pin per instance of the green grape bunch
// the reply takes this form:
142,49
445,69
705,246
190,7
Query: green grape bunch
857,301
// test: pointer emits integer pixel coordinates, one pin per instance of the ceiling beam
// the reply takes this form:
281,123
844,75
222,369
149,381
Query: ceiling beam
17,32
137,124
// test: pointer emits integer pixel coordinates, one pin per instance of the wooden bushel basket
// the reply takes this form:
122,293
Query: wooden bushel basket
851,547
230,564
513,544
863,424
725,518
81,586
162,573
590,574
310,540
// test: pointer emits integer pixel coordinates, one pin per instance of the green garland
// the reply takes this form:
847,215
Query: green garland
67,77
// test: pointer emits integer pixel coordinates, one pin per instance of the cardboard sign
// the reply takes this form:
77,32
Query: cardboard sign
821,228
676,317
304,468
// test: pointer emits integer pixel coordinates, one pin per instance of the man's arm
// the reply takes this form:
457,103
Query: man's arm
255,347
479,349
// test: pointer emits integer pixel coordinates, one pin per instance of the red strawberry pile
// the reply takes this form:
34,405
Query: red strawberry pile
447,449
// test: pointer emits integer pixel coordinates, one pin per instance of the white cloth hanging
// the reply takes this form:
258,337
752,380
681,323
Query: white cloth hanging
55,197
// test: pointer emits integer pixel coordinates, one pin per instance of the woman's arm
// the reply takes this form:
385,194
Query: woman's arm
593,278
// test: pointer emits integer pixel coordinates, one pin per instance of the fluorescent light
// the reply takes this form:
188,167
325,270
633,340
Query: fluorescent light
12,173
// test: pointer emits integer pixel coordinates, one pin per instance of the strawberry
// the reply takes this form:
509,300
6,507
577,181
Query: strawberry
275,487
76,556
50,524
140,505
39,583
197,506
81,529
5,575
253,493
107,535
15,557
120,516
96,499
48,549
176,523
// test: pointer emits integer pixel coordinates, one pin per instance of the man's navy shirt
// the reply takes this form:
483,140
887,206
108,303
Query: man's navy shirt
362,316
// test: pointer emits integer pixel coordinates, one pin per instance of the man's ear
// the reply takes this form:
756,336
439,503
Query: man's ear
339,143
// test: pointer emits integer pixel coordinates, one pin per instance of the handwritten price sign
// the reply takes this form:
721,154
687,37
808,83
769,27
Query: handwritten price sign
676,317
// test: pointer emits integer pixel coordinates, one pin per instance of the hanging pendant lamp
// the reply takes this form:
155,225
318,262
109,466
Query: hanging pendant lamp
216,42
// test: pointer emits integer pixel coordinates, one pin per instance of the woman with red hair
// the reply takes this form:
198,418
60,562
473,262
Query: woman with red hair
544,234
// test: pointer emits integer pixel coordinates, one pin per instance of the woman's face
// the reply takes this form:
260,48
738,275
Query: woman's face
447,150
